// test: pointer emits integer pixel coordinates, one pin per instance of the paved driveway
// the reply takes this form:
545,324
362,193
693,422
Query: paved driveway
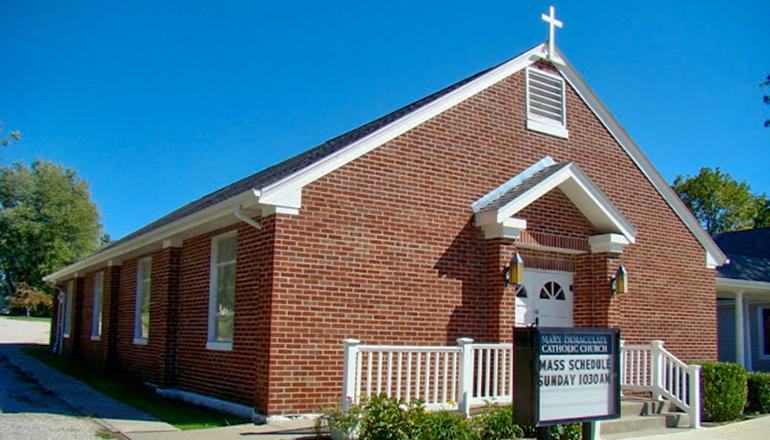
27,410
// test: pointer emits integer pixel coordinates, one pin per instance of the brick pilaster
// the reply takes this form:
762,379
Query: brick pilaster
164,313
110,314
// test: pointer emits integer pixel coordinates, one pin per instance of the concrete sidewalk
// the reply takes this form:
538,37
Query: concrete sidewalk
298,429
112,414
755,429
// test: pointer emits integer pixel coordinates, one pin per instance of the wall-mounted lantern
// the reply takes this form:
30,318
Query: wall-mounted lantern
619,283
514,271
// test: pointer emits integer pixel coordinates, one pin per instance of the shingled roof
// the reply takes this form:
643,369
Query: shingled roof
749,253
290,166
524,186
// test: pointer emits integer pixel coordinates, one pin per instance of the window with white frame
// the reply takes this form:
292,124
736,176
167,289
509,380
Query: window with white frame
68,296
143,286
96,317
546,103
764,331
222,291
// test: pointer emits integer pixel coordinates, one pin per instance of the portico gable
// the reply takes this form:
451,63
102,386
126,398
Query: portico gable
495,213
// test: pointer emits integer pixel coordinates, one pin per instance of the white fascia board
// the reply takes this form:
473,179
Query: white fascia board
601,211
510,228
502,189
641,160
602,202
607,243
387,133
221,209
742,285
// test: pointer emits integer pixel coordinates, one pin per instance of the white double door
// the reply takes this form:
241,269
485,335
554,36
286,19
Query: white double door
545,296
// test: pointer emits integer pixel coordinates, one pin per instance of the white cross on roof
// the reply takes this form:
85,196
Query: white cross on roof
553,23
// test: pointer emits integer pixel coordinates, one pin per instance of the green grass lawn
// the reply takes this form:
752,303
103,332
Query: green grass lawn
174,412
26,318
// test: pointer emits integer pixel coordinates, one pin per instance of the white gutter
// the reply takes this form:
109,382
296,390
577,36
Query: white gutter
742,284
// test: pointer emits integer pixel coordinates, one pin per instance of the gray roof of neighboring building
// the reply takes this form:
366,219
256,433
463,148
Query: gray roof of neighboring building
749,253
524,186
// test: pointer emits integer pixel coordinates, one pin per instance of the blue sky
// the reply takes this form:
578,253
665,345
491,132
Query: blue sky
158,103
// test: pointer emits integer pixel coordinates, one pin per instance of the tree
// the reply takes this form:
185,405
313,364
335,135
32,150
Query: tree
47,220
762,220
31,300
719,202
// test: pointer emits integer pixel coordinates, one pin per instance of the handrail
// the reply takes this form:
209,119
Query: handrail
653,368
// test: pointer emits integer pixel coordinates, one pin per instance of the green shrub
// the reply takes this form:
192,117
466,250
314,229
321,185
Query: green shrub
443,425
391,419
723,391
334,420
758,393
573,431
496,422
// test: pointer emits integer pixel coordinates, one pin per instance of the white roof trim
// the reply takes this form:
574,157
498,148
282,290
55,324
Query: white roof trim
400,126
288,186
715,255
579,188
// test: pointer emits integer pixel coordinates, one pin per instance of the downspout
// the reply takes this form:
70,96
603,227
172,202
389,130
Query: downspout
245,218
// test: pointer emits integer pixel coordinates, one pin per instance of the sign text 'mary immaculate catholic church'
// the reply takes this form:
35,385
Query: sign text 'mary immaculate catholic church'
510,197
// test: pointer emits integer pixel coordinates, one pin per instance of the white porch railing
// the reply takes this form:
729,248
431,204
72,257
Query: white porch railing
653,368
450,377
469,374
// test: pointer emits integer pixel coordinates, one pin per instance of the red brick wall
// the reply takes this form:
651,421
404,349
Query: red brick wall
240,374
384,249
95,352
140,361
71,345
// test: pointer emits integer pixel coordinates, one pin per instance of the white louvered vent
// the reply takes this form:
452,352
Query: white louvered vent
545,103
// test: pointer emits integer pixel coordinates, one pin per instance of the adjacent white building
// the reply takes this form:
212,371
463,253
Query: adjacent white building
743,299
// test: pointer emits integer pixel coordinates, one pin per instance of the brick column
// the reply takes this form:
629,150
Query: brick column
164,305
501,298
110,314
593,304
77,329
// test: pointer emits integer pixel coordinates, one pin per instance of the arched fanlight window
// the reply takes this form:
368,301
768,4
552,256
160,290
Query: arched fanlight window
552,290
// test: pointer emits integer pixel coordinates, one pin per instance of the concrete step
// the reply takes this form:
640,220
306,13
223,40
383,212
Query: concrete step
632,424
632,407
676,419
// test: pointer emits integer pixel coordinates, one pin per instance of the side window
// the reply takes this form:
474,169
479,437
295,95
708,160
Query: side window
96,318
222,291
143,288
68,297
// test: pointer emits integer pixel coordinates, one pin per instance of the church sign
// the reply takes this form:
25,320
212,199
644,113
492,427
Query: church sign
566,375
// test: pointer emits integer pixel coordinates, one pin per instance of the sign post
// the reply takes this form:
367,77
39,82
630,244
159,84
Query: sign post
566,375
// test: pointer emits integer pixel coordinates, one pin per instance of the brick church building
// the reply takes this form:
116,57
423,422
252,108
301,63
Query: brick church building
400,232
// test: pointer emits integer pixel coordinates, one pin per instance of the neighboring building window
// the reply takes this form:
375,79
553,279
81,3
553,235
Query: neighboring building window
142,319
764,329
96,318
546,109
68,308
222,291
